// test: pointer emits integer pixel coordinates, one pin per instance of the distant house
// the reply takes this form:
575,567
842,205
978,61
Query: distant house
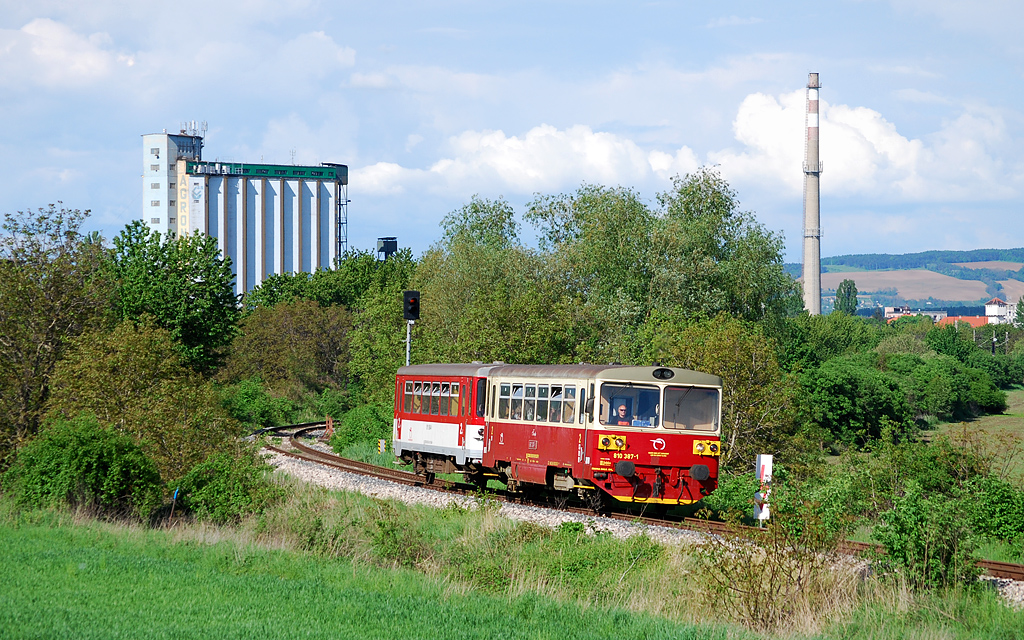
956,321
892,313
1000,312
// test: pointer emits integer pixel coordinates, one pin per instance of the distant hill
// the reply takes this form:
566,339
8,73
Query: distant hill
936,279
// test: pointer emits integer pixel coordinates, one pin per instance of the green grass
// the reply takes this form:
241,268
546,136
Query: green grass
341,565
1001,432
98,581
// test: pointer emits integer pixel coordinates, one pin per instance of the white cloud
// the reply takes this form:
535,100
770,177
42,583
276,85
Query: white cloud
370,80
316,50
543,159
865,155
48,53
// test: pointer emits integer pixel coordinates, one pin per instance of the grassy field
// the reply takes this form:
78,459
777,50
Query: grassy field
1001,435
337,565
99,581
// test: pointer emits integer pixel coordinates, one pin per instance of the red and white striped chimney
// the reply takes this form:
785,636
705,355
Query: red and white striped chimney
812,203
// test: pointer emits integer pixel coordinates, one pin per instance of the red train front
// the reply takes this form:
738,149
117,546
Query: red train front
635,434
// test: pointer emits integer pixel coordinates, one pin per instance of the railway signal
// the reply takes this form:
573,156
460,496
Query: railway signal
411,305
411,313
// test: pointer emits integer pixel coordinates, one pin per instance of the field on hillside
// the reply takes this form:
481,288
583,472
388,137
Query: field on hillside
992,264
1012,290
912,284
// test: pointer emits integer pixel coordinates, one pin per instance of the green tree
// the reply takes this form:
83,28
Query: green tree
343,285
294,348
378,333
851,400
846,297
485,296
600,239
183,283
52,288
757,397
712,257
134,381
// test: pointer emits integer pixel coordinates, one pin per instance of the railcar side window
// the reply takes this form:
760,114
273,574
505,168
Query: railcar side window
629,405
569,404
454,405
445,394
417,390
691,408
517,401
556,403
542,403
506,391
530,410
435,396
481,398
408,397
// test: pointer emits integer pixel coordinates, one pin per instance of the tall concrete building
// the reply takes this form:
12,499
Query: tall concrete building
812,203
160,155
269,219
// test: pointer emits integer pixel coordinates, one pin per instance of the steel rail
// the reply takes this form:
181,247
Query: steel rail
848,547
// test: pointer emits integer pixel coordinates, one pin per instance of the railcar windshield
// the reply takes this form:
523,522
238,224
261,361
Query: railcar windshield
691,408
630,404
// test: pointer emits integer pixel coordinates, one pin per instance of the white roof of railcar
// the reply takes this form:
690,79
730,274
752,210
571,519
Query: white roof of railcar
601,372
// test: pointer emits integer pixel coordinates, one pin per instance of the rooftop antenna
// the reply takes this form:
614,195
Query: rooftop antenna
293,155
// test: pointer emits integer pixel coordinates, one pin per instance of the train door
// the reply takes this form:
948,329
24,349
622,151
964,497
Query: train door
586,418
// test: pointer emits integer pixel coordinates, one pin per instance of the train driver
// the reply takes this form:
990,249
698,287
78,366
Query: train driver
620,417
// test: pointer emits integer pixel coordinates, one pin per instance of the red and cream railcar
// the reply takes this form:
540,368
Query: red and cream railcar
439,416
636,434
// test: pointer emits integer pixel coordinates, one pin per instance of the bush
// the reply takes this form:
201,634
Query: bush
762,577
929,540
79,463
249,403
734,495
368,423
225,488
997,509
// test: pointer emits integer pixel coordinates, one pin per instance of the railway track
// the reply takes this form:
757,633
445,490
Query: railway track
302,451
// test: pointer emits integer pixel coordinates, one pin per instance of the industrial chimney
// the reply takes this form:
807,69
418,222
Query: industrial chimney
812,203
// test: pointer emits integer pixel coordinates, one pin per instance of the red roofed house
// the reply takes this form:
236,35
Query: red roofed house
956,321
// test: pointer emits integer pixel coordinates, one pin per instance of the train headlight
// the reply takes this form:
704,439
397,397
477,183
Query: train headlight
706,448
619,442
606,441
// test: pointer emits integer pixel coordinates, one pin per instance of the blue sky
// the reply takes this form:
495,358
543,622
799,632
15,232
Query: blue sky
432,102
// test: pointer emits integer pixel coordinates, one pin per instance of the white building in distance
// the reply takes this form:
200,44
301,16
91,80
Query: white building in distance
268,219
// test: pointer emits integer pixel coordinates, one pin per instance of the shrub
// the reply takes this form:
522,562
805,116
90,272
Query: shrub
928,540
997,509
249,403
852,400
368,423
225,488
79,463
734,495
762,577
